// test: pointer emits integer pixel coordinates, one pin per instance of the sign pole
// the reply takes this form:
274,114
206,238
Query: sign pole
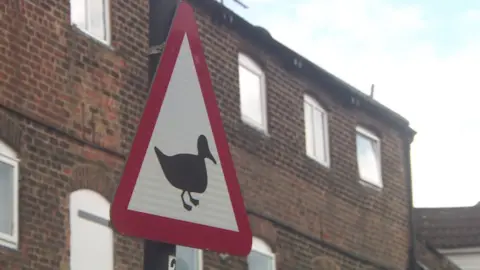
156,255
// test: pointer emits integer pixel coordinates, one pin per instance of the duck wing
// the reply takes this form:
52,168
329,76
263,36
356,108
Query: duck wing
187,172
183,171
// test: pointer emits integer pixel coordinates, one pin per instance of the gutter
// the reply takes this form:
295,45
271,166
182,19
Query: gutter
299,65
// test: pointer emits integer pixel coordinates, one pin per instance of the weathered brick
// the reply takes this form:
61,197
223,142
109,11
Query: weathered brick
70,106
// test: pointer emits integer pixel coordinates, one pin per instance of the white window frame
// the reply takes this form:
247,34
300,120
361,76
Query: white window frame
200,259
250,65
80,212
308,100
260,246
199,262
106,6
9,156
378,154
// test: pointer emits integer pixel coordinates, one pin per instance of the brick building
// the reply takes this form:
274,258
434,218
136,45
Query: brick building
324,169
454,232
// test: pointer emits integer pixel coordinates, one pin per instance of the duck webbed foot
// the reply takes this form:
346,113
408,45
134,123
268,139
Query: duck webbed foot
192,200
185,205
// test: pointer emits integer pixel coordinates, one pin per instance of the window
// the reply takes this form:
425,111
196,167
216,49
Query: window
316,131
8,196
261,257
252,93
368,157
192,258
91,239
92,17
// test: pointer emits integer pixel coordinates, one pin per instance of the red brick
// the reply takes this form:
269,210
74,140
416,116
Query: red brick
61,82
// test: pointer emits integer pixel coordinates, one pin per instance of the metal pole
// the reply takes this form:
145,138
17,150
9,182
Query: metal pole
160,18
161,12
156,255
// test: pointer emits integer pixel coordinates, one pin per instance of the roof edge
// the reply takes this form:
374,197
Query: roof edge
435,252
301,66
435,210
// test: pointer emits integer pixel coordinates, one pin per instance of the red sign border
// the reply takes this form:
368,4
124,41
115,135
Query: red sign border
163,229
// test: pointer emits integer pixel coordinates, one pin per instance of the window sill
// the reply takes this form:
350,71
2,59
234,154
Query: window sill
85,33
255,126
8,244
324,164
252,140
370,185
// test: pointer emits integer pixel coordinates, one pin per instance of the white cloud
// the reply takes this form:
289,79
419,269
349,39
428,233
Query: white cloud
248,3
252,2
360,19
370,41
472,16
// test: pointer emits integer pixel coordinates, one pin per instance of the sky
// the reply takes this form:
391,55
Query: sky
424,59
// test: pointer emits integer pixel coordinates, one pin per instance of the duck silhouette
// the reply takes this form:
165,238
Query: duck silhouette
187,172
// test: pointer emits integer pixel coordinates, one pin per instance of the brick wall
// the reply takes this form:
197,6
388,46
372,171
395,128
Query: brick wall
70,106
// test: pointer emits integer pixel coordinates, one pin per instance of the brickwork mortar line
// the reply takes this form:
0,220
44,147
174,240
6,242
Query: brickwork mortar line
355,256
58,131
62,132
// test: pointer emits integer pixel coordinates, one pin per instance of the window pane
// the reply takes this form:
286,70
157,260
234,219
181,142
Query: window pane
91,243
250,95
319,135
77,13
189,256
6,198
97,24
308,129
367,159
259,261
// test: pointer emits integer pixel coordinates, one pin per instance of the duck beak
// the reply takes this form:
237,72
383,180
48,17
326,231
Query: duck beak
210,156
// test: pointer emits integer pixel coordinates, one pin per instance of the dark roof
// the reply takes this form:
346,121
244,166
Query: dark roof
428,257
455,227
297,63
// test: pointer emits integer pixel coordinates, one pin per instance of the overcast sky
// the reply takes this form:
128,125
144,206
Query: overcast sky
424,59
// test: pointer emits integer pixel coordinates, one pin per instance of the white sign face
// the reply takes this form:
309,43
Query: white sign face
180,125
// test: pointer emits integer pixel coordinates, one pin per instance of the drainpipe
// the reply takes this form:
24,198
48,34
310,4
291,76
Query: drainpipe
412,261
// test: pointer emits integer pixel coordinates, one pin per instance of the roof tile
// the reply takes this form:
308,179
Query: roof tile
455,227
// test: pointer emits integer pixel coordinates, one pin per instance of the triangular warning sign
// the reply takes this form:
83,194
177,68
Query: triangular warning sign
179,185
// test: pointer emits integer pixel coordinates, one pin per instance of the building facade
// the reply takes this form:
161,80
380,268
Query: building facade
454,232
324,169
